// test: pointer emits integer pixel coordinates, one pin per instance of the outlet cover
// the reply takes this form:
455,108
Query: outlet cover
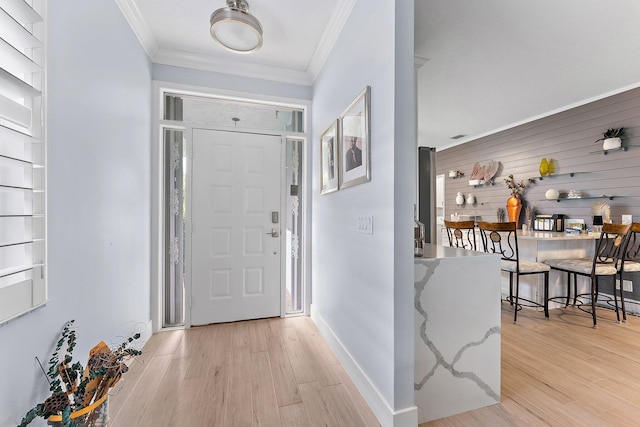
627,285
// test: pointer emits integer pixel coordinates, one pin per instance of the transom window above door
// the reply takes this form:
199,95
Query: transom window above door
219,112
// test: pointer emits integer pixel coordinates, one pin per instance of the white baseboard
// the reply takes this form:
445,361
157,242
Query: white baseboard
386,416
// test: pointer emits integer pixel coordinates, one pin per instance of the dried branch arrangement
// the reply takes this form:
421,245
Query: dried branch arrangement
75,387
530,213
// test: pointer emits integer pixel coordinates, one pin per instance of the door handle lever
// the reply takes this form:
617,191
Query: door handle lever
274,232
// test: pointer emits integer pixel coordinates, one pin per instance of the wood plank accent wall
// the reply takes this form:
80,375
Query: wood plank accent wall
567,138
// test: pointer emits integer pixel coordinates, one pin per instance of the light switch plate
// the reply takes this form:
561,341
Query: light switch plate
365,224
627,219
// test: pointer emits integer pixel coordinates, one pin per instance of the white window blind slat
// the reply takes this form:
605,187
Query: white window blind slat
15,34
15,112
15,202
15,229
13,87
16,145
16,62
14,173
15,256
20,11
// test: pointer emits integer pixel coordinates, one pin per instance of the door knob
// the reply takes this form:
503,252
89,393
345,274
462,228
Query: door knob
274,232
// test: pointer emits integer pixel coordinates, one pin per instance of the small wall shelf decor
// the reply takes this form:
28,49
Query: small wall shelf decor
552,194
611,139
481,174
455,174
547,167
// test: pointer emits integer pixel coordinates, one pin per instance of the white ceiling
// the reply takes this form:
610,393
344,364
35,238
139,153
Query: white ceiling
297,35
495,63
489,64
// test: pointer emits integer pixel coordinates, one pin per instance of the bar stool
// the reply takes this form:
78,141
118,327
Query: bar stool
461,234
501,238
605,262
630,262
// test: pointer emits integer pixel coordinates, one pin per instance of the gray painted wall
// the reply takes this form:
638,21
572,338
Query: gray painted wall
363,283
98,144
568,138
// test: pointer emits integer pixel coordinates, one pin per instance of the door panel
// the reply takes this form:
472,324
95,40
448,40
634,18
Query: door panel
235,257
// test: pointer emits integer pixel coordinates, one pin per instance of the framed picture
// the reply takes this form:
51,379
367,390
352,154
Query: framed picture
329,159
355,166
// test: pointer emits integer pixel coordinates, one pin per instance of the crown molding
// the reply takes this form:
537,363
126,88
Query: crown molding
233,67
330,36
139,26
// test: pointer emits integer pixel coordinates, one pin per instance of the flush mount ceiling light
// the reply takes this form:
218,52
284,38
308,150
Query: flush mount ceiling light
235,28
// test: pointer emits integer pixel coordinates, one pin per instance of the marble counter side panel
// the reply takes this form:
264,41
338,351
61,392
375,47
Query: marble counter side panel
457,326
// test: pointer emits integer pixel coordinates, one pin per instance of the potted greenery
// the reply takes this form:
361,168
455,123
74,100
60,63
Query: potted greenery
80,394
612,138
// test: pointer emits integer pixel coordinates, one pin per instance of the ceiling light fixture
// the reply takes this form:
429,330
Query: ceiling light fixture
235,28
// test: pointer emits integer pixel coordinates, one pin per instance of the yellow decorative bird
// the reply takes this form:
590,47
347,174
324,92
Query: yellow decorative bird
544,167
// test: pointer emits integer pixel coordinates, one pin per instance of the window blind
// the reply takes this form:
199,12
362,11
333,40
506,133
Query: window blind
22,158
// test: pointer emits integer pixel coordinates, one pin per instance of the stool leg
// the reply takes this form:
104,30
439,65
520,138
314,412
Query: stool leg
546,295
575,289
510,288
515,309
615,296
594,285
624,313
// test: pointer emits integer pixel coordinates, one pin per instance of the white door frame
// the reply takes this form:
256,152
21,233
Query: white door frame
157,237
189,224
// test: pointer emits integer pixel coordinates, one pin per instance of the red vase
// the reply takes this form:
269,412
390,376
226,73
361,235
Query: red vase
514,206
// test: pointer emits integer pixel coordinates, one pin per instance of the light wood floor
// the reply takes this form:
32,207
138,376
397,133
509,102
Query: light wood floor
271,372
562,372
280,372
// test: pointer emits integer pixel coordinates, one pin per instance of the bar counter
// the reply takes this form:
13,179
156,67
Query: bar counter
457,331
555,235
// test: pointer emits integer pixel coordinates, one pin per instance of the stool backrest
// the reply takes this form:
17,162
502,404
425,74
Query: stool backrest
461,234
610,246
632,245
500,238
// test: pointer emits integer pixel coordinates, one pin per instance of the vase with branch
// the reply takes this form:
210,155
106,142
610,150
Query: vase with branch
514,203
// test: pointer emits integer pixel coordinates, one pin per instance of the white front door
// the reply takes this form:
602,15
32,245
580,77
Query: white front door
235,255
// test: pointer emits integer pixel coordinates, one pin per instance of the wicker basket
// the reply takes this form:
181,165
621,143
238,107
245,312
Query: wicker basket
94,415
